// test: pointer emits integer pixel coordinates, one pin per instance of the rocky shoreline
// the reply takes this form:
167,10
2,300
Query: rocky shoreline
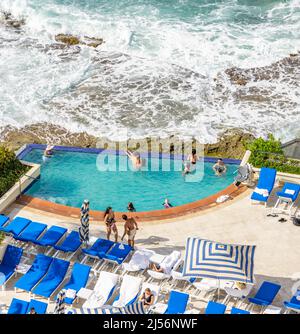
229,145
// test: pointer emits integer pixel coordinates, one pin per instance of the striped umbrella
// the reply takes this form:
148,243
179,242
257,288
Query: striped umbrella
60,303
84,219
136,308
210,259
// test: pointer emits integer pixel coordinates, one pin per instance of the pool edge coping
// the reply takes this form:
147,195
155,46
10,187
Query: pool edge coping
68,211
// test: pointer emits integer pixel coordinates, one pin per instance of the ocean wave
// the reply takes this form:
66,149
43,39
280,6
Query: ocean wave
156,72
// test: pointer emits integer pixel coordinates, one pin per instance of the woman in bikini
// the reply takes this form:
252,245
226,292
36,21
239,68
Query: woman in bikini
110,222
147,298
190,164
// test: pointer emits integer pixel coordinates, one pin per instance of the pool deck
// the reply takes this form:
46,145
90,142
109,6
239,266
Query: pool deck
236,221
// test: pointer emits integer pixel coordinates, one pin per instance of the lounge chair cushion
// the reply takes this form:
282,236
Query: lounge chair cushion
215,308
78,279
18,306
266,294
16,226
101,246
11,259
40,307
52,236
117,253
55,275
71,243
37,270
129,291
3,220
267,178
177,302
31,232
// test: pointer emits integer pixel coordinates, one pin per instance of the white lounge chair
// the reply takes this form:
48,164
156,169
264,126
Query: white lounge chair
139,262
169,263
103,290
129,291
155,290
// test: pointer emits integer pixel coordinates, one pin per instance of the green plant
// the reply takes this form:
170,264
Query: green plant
11,169
268,153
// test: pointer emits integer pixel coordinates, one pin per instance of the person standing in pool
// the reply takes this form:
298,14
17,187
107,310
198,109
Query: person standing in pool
220,167
193,158
130,228
130,207
110,222
137,161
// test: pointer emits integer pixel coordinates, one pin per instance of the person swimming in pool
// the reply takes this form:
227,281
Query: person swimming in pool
137,161
167,204
48,151
220,167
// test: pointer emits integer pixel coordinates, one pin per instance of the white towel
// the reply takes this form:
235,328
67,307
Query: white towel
263,192
290,191
129,289
102,289
139,261
169,261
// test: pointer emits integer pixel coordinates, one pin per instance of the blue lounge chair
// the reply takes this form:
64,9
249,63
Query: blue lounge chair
54,277
294,303
39,307
78,279
101,246
177,302
16,226
235,310
215,308
288,195
70,245
266,294
10,261
19,306
266,182
3,220
51,237
117,254
36,272
31,232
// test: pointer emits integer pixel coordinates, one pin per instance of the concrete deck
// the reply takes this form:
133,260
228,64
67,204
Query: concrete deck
237,221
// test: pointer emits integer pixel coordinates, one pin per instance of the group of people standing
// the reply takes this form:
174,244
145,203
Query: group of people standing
130,224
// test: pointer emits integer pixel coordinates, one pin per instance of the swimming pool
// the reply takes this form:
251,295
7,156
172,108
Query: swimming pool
69,177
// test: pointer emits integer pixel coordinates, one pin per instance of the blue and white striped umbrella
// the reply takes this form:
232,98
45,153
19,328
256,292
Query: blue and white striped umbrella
136,308
210,259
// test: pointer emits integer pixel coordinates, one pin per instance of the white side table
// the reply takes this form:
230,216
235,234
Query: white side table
84,293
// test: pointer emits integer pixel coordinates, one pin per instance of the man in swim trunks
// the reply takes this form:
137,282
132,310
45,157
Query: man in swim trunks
130,228
220,167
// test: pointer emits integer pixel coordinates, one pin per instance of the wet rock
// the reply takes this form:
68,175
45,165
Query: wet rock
274,71
231,143
70,40
8,20
67,39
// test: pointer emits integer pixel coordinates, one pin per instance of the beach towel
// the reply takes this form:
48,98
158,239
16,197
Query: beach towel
139,261
169,261
262,192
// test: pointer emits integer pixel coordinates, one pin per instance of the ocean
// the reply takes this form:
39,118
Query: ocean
160,72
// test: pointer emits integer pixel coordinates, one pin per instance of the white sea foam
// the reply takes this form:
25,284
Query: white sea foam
155,73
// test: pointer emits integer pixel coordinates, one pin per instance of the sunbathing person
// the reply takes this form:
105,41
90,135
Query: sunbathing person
32,311
147,298
220,167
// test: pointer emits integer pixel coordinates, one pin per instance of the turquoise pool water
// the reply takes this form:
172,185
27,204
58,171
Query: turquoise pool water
70,177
